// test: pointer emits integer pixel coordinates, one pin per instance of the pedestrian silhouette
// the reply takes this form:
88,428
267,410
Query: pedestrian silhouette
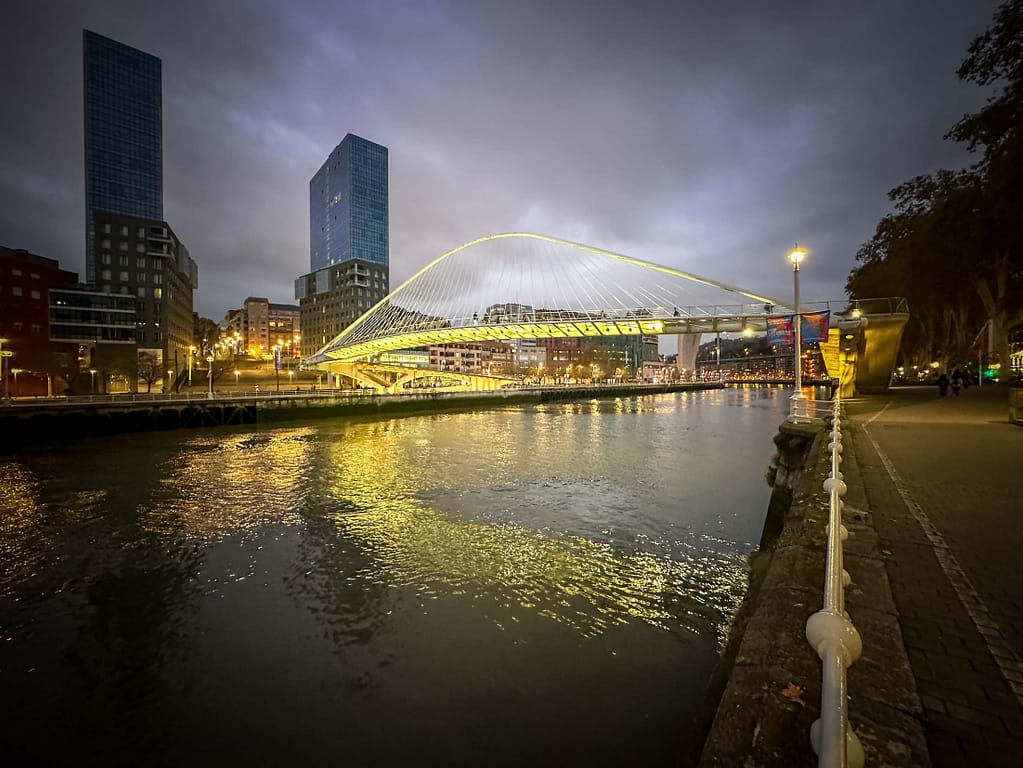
957,381
943,384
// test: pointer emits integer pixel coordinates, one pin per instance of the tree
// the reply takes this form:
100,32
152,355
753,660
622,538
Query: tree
995,58
953,244
204,331
149,369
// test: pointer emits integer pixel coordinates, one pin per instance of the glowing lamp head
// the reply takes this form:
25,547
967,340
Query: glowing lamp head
796,256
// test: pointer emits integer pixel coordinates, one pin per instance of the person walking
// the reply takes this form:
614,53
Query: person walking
957,381
943,384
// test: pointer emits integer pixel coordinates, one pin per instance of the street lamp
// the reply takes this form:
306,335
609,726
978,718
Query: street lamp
4,367
92,373
237,373
798,412
191,352
209,373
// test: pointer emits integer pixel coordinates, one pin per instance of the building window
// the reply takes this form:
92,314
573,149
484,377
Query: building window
105,243
157,279
16,290
141,291
158,293
106,231
157,264
122,246
124,276
104,274
140,262
105,258
34,275
16,272
35,294
140,232
124,230
140,247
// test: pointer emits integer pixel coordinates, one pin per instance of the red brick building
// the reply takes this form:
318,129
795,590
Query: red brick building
25,281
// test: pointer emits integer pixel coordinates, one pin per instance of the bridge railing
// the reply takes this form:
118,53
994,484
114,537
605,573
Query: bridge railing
830,631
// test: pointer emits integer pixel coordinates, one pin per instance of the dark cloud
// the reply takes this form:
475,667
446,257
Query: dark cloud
708,138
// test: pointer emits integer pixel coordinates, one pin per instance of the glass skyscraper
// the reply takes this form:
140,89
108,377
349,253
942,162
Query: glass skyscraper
348,205
123,135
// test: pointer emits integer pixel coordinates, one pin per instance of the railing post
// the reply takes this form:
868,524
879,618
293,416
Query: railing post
830,631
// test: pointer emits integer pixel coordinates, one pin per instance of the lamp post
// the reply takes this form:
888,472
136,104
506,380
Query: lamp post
191,353
4,367
798,412
209,373
237,373
92,387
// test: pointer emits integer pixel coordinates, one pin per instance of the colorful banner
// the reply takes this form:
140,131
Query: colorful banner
813,327
779,330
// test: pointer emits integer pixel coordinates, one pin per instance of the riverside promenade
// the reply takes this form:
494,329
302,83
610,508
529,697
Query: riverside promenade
934,510
941,480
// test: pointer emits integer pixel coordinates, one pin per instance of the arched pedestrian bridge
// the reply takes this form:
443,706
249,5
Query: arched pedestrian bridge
518,285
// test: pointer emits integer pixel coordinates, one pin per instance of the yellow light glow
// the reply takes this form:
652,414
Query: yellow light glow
796,255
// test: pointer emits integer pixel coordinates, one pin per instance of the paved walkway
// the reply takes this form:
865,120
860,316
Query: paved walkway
943,482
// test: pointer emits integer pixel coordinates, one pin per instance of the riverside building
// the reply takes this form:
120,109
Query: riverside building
348,241
123,101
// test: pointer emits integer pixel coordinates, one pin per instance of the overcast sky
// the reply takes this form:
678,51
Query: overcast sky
707,136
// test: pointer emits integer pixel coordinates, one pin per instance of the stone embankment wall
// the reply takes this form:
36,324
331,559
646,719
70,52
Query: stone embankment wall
772,677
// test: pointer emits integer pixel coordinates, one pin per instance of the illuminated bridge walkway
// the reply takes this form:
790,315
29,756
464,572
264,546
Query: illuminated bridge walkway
516,286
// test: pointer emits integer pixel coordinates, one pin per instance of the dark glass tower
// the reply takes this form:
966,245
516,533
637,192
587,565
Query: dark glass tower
123,135
348,205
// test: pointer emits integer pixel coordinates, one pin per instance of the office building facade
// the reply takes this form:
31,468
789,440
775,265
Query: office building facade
123,134
348,241
331,299
348,206
144,259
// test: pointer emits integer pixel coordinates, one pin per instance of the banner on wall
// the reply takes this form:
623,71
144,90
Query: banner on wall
813,328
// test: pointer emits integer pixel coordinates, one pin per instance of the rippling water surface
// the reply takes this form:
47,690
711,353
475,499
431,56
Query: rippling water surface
541,585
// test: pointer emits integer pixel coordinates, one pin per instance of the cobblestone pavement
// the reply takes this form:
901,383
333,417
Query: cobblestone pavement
943,481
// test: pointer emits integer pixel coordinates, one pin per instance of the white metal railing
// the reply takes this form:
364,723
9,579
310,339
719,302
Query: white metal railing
831,632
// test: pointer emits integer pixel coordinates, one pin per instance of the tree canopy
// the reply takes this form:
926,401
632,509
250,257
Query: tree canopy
952,245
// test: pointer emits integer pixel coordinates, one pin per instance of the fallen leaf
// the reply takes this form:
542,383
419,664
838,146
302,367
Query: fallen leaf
794,693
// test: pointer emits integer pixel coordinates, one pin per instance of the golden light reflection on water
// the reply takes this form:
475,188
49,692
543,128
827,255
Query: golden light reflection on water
221,484
29,524
584,584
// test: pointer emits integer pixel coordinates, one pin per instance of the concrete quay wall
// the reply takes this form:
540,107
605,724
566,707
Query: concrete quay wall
48,418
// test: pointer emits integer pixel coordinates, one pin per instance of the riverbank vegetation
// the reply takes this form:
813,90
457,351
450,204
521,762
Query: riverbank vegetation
953,245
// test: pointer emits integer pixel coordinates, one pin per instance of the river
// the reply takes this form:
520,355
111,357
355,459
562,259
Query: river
535,585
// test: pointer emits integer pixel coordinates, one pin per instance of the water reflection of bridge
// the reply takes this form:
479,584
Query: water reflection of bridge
526,290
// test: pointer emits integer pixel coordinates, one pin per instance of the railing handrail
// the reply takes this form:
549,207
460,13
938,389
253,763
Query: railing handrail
830,631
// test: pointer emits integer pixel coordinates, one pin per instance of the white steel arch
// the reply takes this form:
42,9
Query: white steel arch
521,285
